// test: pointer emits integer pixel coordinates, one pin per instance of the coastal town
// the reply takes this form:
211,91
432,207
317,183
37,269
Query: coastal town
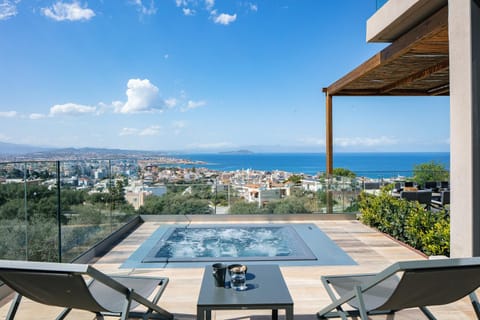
142,177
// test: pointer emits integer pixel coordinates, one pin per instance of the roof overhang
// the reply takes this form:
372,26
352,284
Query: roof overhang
397,17
415,64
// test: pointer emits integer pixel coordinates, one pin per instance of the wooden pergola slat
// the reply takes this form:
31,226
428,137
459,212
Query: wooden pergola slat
417,76
412,41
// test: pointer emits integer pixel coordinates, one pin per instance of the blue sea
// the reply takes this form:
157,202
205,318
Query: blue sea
372,165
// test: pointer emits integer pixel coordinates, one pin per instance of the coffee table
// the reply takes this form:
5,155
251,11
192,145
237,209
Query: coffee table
266,290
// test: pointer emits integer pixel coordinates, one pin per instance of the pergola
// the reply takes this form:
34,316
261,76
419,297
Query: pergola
416,64
434,50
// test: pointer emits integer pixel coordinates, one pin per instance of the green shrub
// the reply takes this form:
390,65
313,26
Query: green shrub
407,221
243,207
429,232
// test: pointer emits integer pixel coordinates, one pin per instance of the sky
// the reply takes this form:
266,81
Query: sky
199,76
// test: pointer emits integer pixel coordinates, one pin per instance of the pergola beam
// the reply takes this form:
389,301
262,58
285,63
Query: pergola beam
397,92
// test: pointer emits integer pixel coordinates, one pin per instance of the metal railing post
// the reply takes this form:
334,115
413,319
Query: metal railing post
111,195
59,212
329,194
26,208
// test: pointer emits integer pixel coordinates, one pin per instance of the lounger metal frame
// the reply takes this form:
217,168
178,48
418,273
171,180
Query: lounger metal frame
406,267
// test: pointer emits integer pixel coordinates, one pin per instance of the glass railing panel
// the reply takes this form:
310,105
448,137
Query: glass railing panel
13,212
93,202
122,174
28,211
42,202
194,198
84,205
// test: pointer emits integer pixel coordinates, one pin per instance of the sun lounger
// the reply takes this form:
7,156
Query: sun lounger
64,285
403,285
444,199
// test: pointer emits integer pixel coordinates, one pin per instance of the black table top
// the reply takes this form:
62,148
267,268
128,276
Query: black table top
265,283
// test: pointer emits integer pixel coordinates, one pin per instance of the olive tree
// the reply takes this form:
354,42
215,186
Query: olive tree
429,171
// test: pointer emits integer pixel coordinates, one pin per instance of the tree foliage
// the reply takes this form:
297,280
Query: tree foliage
175,203
295,179
342,172
284,206
429,171
243,207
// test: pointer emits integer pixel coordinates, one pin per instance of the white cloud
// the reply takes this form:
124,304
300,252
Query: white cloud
364,142
8,9
142,97
209,4
128,132
189,6
104,107
71,109
188,12
150,131
117,106
194,104
61,11
4,137
36,116
225,19
312,141
8,114
171,102
253,6
143,9
181,3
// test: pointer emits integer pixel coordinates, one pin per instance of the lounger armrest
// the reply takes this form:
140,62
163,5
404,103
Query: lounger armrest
327,277
107,280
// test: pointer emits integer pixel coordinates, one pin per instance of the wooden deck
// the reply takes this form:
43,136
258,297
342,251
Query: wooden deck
372,251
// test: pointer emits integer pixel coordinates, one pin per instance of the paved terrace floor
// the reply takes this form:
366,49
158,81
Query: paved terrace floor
372,251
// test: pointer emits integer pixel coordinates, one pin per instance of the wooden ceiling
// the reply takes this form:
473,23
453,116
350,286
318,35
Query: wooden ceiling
416,64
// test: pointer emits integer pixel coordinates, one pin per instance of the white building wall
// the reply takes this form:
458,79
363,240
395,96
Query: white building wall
464,37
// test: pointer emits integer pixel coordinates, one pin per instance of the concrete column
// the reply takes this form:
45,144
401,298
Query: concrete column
464,38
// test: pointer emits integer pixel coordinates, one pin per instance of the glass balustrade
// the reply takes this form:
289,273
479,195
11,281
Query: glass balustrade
57,210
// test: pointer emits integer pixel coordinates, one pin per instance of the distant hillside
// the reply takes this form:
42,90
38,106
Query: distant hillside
106,153
17,152
237,152
13,148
